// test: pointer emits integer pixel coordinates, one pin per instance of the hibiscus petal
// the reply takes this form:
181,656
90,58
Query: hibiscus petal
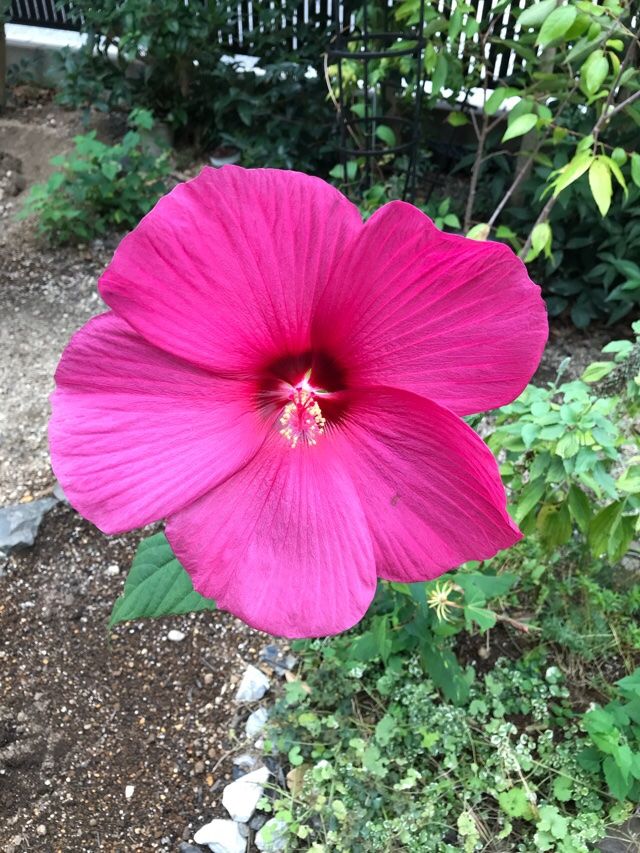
283,544
136,434
456,320
224,270
430,487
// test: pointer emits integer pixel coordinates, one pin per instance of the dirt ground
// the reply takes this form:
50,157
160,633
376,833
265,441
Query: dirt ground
85,712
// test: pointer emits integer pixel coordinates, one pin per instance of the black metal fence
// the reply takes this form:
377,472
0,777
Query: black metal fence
41,13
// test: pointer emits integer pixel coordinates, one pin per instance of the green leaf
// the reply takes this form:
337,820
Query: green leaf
556,25
618,784
536,14
529,498
576,167
602,526
635,168
515,803
387,135
520,126
439,76
600,183
456,118
554,524
494,101
597,370
579,507
157,585
594,72
541,238
479,231
442,666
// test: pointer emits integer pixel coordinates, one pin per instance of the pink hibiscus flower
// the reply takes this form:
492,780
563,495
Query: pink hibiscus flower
284,384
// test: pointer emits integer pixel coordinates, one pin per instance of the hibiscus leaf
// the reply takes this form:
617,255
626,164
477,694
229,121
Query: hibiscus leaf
157,585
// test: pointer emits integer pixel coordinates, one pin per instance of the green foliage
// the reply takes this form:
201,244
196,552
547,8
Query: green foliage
566,460
100,187
168,59
615,733
388,765
157,586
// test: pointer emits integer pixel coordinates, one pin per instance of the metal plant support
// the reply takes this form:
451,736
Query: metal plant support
368,42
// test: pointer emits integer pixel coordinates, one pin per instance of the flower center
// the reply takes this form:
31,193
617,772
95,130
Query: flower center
302,418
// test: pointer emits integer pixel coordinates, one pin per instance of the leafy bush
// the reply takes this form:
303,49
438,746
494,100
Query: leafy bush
168,59
99,187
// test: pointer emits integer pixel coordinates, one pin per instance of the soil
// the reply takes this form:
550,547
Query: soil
86,712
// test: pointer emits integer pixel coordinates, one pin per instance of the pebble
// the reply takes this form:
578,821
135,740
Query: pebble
128,791
208,678
189,848
19,523
42,829
273,836
282,663
256,722
112,570
222,836
253,686
241,797
175,636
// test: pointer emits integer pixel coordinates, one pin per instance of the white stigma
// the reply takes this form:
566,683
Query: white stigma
302,419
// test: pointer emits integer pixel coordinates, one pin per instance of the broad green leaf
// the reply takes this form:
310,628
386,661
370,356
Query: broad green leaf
594,72
520,126
387,135
456,118
479,232
602,526
529,498
536,14
630,480
541,238
618,784
442,666
494,101
515,803
554,524
597,370
635,168
439,76
579,507
157,585
572,171
556,25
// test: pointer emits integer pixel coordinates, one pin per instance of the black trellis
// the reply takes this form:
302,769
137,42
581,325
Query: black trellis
365,40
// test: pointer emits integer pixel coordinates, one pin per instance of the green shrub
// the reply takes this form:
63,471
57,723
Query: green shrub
99,187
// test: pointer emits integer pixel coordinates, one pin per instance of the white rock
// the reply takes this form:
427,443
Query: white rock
240,798
273,836
113,570
128,791
175,636
245,761
256,722
222,836
253,686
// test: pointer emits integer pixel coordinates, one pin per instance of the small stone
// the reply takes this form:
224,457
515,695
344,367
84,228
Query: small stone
273,836
208,678
241,797
59,494
128,791
257,822
222,836
112,570
246,761
19,523
256,722
189,848
198,767
175,636
42,829
253,686
274,656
